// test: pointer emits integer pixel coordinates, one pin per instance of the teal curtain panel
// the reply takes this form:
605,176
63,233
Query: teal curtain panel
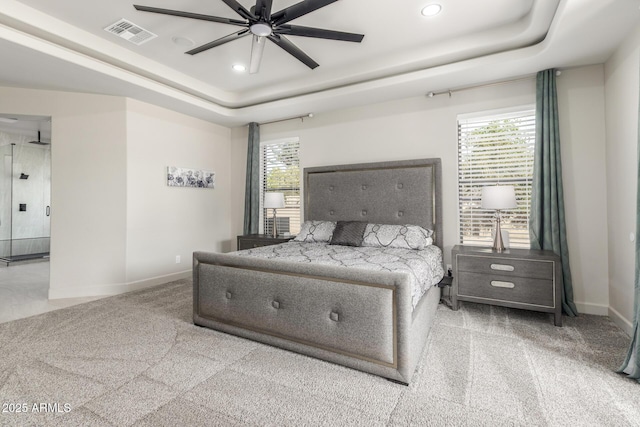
547,229
631,365
252,183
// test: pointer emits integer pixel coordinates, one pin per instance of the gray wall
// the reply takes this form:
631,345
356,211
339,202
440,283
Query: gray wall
423,127
115,225
622,84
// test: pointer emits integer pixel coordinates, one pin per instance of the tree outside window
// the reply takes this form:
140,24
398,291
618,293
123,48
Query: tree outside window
281,173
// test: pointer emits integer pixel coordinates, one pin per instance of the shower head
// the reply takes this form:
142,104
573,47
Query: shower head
39,142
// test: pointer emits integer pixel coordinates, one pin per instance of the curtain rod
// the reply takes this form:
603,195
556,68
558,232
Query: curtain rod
310,115
451,91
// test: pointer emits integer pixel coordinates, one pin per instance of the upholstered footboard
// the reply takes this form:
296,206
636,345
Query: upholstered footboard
363,320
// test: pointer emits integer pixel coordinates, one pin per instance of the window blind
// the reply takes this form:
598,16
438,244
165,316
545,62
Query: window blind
280,172
495,149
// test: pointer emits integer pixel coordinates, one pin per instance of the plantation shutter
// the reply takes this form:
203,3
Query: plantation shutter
280,172
495,149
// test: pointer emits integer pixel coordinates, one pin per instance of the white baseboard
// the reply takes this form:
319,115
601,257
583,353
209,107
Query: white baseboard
624,323
591,308
605,310
145,283
114,289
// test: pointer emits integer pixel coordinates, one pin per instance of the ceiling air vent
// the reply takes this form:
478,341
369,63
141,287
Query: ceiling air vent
130,31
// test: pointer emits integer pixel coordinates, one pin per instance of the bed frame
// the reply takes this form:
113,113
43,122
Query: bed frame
363,320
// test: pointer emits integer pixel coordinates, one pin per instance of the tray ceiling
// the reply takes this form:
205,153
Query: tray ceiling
469,42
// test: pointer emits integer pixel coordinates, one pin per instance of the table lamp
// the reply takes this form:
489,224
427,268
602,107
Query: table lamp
274,201
498,197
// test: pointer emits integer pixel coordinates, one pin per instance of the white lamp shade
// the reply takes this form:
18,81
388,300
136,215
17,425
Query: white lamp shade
273,200
499,197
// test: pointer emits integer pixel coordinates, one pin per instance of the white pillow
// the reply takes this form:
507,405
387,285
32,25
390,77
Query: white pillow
316,231
397,236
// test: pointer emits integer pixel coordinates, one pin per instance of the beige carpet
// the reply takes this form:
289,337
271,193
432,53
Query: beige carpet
136,359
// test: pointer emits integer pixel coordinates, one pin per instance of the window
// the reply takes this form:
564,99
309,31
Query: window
280,172
495,149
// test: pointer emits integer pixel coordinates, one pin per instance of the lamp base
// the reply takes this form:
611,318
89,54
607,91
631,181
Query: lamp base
498,244
275,231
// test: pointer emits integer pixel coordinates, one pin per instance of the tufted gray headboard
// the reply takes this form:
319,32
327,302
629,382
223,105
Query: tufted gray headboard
398,192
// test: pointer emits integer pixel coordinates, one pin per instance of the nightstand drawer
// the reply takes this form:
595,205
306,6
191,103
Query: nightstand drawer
517,278
506,288
250,241
250,244
506,266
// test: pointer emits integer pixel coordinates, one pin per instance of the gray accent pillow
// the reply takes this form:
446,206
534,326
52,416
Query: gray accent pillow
397,236
315,231
348,233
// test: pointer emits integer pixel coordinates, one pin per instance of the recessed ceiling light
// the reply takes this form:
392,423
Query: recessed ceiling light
182,41
431,10
239,68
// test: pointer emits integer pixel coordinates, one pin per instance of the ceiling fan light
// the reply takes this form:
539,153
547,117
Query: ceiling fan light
257,48
431,9
239,68
261,29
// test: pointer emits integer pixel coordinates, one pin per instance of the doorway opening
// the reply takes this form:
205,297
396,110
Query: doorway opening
25,188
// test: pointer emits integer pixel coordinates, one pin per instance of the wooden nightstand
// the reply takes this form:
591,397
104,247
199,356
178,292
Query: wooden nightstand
250,241
516,278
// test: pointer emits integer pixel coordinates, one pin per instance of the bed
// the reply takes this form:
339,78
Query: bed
360,318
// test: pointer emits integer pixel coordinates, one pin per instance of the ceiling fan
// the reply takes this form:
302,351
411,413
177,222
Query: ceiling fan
262,24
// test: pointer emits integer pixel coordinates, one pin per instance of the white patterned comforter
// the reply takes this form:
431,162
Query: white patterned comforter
424,266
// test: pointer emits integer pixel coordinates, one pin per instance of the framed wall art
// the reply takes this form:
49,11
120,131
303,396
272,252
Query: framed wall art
186,177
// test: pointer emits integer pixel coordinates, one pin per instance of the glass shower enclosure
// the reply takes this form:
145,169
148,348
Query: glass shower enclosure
25,198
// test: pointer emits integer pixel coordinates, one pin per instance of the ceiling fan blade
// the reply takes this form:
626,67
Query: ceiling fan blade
190,15
298,10
297,30
240,10
263,9
218,42
257,47
293,50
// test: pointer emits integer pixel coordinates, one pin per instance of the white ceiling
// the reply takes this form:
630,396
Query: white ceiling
403,53
27,126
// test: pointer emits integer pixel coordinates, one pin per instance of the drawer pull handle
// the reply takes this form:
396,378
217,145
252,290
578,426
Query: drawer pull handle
501,284
502,267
